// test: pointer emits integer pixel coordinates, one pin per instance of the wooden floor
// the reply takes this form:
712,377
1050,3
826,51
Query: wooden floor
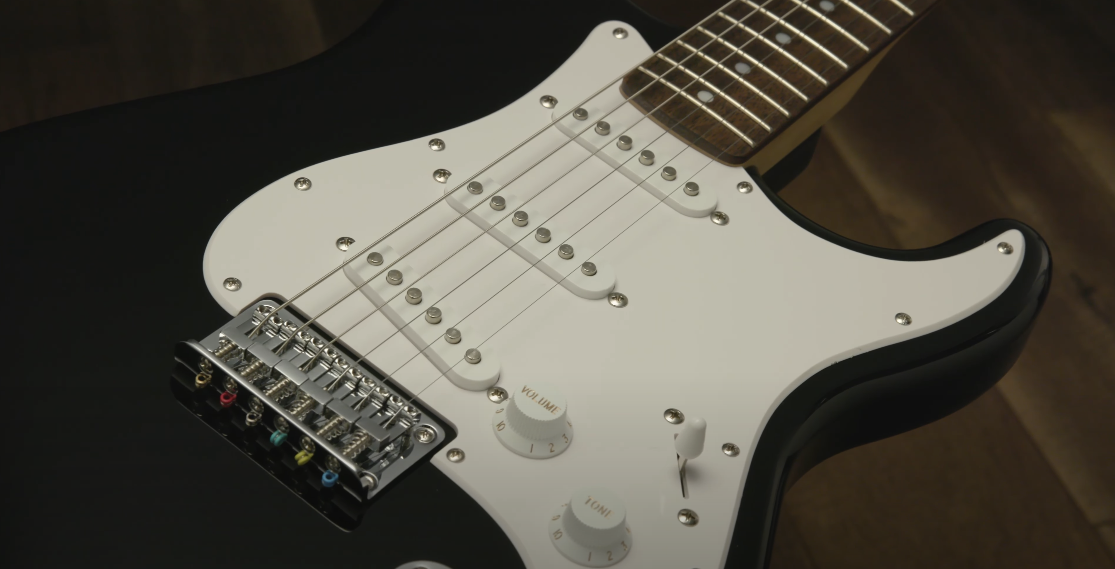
990,108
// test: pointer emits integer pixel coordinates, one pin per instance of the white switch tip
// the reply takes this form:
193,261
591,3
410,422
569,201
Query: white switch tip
691,440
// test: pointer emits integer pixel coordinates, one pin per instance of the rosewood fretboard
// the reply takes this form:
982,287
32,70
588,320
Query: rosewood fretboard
740,77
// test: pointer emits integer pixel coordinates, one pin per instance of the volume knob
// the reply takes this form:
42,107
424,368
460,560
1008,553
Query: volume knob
534,422
591,529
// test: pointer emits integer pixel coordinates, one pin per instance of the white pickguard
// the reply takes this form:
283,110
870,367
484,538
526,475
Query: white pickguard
723,321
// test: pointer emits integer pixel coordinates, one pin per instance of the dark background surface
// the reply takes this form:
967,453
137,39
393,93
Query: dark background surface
990,108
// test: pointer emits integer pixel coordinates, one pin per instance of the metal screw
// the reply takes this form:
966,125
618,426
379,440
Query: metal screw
256,404
498,203
232,283
1006,248
252,418
442,175
437,144
619,33
719,218
744,187
497,395
730,449
433,315
425,434
565,251
308,445
395,277
646,158
455,455
903,318
692,189
603,127
281,424
414,296
332,463
687,517
617,299
542,235
580,113
520,218
453,336
472,356
673,416
548,101
302,184
623,142
344,243
475,187
375,259
668,173
588,268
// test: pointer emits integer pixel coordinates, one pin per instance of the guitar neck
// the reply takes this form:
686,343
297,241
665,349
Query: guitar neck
750,72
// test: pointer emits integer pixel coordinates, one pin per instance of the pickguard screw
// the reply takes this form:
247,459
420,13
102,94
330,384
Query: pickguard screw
730,449
687,517
475,187
542,235
603,127
692,189
588,268
669,173
548,101
442,175
455,455
580,113
433,315
565,251
498,203
673,416
903,318
375,259
453,336
719,218
232,283
425,434
623,142
437,144
414,296
617,299
646,158
744,187
1006,248
395,277
302,184
472,356
520,218
619,33
497,395
344,243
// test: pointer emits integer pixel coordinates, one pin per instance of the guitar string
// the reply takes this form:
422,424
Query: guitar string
543,295
355,257
563,208
517,277
282,347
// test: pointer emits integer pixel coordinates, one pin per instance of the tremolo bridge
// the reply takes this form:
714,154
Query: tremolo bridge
319,418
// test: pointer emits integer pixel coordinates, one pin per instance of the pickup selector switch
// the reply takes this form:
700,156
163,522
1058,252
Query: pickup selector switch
534,422
591,529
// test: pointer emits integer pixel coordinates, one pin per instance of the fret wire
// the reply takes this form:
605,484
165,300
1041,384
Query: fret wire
798,32
736,77
773,46
699,104
755,62
871,18
702,80
903,7
833,25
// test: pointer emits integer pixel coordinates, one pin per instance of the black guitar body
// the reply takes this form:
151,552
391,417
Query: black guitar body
108,463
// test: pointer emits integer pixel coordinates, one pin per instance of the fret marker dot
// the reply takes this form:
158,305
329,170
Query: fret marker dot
704,96
783,38
827,6
743,68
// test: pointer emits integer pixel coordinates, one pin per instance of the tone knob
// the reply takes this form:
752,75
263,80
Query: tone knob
534,423
591,529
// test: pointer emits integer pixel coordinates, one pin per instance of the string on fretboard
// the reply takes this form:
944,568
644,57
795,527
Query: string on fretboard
747,71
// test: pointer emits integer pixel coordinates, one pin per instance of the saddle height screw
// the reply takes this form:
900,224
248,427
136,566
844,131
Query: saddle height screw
673,416
441,175
623,142
692,189
646,158
730,449
619,33
548,101
580,113
437,144
542,235
617,299
565,251
453,336
344,243
744,187
433,315
302,184
497,395
669,174
375,259
719,218
520,218
232,283
903,318
603,127
588,268
475,187
455,455
1006,248
472,356
498,203
395,277
414,296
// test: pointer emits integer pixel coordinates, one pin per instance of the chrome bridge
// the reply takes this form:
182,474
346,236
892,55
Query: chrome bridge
339,424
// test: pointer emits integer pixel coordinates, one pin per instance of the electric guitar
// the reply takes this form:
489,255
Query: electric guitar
581,330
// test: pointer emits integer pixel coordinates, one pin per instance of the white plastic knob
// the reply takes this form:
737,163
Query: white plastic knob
591,529
534,422
691,440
